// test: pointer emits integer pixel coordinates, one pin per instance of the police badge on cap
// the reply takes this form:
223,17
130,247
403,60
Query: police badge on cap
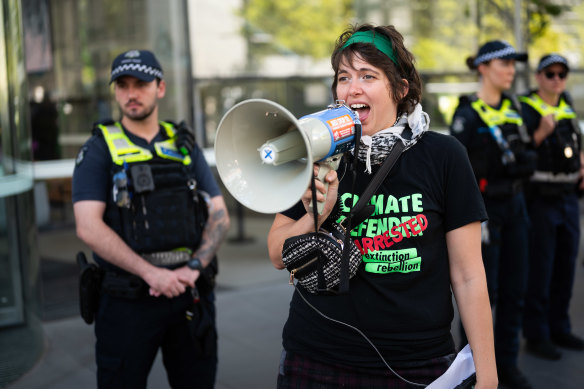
141,64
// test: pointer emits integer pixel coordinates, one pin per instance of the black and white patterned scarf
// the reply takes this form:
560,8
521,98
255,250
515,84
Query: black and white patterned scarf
374,149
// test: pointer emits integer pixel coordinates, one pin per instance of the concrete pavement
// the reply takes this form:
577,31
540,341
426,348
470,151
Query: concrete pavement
252,305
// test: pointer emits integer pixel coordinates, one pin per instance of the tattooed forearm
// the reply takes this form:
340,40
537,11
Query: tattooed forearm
214,233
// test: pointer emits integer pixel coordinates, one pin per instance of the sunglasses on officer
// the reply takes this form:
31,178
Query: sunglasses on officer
550,75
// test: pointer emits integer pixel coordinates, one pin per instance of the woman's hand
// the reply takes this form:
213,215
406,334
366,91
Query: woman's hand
284,227
331,194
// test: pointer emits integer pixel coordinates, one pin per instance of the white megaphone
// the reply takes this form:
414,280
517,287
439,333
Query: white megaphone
265,155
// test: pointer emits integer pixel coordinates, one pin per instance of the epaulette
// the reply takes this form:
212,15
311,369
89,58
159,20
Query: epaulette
529,92
174,125
104,122
467,99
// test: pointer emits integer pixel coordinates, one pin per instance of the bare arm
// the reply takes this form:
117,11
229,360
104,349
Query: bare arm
469,285
283,227
104,241
215,230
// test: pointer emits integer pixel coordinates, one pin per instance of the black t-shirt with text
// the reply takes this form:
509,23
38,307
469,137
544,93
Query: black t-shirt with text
400,297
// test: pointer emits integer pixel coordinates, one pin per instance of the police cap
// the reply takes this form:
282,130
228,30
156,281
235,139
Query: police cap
141,64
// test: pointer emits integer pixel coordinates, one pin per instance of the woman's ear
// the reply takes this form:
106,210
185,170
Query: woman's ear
406,88
481,68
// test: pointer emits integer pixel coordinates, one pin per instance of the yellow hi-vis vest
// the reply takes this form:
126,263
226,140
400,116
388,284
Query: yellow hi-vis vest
561,112
497,117
122,149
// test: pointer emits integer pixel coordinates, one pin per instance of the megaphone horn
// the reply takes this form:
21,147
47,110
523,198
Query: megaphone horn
265,155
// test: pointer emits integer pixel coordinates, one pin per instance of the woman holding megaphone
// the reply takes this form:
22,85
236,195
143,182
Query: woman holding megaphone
420,243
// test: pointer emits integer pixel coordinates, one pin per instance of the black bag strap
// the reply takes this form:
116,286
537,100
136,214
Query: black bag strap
321,282
362,210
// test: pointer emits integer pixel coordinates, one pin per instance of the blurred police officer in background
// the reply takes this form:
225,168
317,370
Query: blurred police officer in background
146,203
553,210
488,123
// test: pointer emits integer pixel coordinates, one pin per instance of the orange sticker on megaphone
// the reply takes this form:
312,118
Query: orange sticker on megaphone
341,126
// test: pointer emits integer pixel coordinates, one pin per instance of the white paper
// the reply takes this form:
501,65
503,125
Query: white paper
462,368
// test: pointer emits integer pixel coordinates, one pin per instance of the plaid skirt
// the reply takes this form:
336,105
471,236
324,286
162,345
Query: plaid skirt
300,372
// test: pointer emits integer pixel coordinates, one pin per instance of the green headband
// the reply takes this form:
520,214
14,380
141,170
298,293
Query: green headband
380,41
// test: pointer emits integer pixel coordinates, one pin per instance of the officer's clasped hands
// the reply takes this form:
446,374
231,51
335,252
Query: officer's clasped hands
172,283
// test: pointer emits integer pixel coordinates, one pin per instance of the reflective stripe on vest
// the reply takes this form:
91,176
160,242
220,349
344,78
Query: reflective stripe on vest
555,178
122,149
497,117
494,118
562,111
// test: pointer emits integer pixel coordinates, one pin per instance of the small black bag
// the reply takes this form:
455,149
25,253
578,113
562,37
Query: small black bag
304,254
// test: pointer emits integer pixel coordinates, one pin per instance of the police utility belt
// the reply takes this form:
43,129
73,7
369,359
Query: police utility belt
167,258
95,281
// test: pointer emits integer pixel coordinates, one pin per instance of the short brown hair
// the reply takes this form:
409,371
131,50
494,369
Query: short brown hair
396,73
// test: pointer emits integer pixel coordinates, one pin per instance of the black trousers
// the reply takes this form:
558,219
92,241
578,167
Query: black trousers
130,333
555,237
506,266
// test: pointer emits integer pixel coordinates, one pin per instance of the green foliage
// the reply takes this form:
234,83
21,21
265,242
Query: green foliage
307,27
448,31
540,14
438,54
559,41
443,32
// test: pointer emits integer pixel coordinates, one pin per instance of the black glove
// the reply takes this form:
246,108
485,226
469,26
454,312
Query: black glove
184,139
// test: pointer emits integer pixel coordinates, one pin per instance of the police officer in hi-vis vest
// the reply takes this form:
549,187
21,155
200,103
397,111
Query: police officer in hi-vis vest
146,203
490,126
553,210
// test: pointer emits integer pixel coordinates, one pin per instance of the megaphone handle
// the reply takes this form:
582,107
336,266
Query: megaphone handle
325,166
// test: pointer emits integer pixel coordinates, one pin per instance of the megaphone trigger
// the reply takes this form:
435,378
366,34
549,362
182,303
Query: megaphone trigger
325,166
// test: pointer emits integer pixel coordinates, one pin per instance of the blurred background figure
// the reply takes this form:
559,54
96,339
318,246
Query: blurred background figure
553,210
488,123
44,125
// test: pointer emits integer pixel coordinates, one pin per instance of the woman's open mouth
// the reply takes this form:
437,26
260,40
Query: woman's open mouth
362,110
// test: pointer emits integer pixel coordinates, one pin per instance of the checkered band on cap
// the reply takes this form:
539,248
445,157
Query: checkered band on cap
149,70
141,64
494,55
550,60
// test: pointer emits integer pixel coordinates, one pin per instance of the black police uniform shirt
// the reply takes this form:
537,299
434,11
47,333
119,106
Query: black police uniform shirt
92,176
400,297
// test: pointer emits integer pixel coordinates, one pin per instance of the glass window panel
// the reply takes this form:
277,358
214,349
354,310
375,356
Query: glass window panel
85,37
